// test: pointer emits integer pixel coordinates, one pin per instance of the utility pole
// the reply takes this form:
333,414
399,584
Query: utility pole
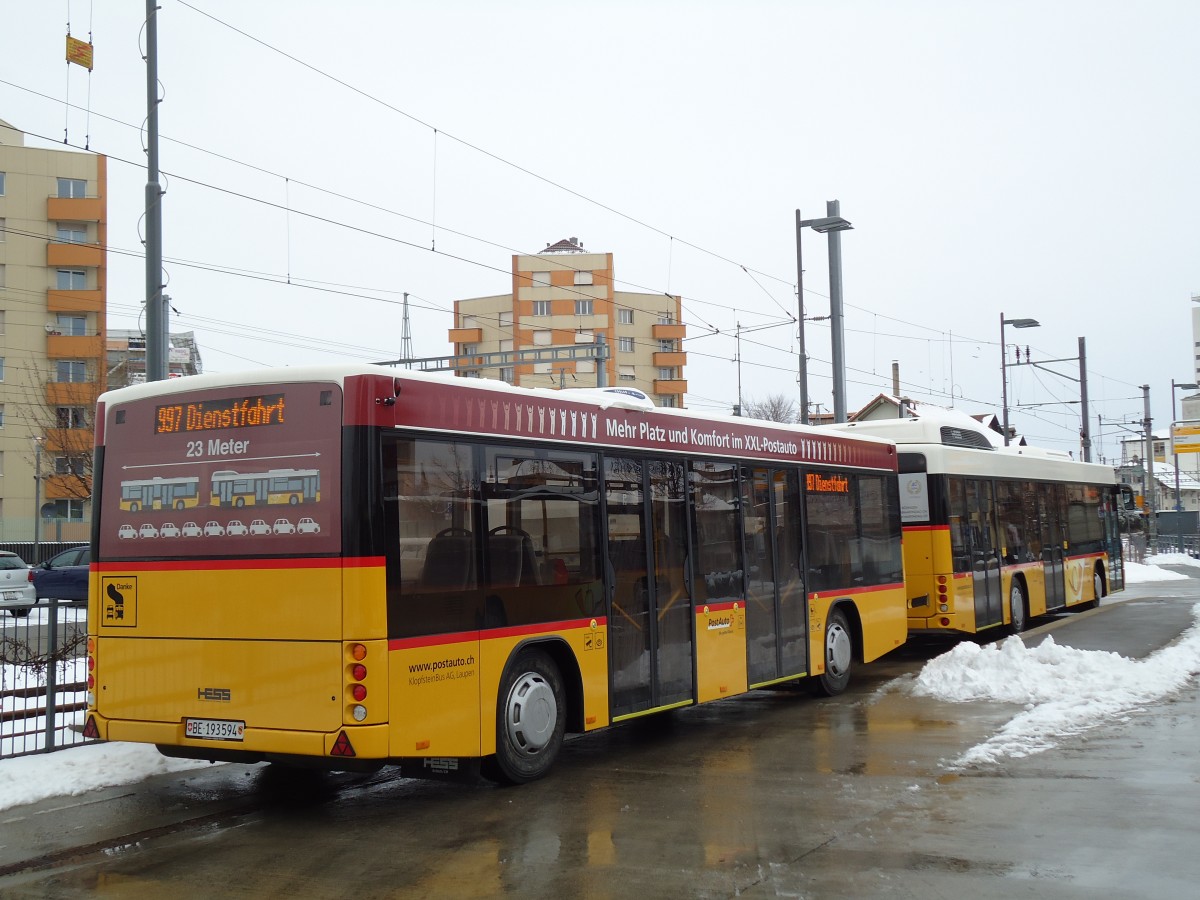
833,210
1085,437
1148,471
157,325
802,376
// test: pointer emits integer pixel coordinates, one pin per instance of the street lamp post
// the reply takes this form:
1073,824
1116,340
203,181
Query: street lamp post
1015,323
1175,454
831,224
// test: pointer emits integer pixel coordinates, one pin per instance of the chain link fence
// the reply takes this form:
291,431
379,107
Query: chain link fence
43,679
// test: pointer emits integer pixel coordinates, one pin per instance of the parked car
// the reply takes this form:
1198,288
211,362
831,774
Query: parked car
308,526
236,526
258,526
64,576
16,585
284,526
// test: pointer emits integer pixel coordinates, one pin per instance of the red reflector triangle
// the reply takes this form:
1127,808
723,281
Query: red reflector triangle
90,730
341,747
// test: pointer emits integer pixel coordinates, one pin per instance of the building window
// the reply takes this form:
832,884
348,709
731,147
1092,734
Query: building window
585,337
71,510
1,414
71,280
541,368
506,346
541,307
541,338
1,184
3,227
665,319
72,188
507,374
625,373
1,321
1,462
667,401
583,277
666,346
540,279
583,307
2,276
71,234
666,374
625,345
71,370
506,319
585,366
470,349
1,368
471,373
76,326
624,316
470,322
70,417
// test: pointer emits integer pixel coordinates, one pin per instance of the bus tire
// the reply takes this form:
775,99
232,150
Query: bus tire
240,502
1018,610
839,656
1097,590
530,720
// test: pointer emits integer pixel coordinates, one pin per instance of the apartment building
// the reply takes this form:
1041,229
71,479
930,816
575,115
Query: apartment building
564,297
53,275
126,362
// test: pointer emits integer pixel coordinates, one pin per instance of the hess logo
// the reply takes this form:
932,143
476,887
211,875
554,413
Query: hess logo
221,695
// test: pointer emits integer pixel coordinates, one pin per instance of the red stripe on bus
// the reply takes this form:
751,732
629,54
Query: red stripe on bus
926,528
850,592
461,637
719,607
226,565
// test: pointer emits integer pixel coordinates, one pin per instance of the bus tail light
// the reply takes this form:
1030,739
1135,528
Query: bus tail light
356,689
358,692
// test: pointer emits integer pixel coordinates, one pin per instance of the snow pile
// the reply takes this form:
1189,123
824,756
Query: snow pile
1065,691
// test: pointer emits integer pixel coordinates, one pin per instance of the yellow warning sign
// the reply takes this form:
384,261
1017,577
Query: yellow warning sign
118,601
79,52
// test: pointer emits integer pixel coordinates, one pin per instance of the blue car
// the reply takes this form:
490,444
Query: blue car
64,576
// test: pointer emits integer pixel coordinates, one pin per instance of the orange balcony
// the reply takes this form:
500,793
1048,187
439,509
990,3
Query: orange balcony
74,209
72,393
74,255
670,386
673,359
70,346
68,487
68,441
466,335
670,332
75,301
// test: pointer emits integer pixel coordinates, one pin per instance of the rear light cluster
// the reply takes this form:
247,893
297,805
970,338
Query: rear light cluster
942,598
356,674
91,672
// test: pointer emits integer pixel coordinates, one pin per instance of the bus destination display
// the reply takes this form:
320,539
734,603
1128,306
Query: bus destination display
212,415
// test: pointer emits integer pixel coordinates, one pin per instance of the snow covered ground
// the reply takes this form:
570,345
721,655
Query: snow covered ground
1063,691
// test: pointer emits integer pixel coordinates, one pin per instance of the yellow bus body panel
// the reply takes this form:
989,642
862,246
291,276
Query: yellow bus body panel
721,665
881,612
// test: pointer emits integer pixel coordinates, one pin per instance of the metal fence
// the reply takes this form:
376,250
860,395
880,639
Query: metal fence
35,554
43,679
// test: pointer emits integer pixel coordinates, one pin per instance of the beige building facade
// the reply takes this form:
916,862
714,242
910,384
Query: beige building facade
565,297
53,285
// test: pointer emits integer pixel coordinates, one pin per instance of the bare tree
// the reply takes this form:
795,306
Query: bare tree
775,408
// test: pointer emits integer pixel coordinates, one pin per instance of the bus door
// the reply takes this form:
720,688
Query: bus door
775,602
649,607
1052,509
984,553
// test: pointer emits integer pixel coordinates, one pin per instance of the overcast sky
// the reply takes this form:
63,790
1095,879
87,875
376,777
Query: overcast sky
1036,159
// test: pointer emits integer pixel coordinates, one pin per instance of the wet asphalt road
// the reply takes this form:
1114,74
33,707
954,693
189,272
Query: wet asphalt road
775,794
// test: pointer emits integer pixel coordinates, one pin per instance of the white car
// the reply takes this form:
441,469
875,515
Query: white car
284,526
191,529
213,529
17,593
258,526
147,531
169,529
308,526
127,532
236,526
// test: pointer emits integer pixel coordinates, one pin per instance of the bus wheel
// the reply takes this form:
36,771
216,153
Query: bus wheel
1017,613
839,656
530,720
240,502
1097,591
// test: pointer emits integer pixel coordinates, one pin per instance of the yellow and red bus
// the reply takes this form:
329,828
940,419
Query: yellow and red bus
995,536
160,492
485,568
288,486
